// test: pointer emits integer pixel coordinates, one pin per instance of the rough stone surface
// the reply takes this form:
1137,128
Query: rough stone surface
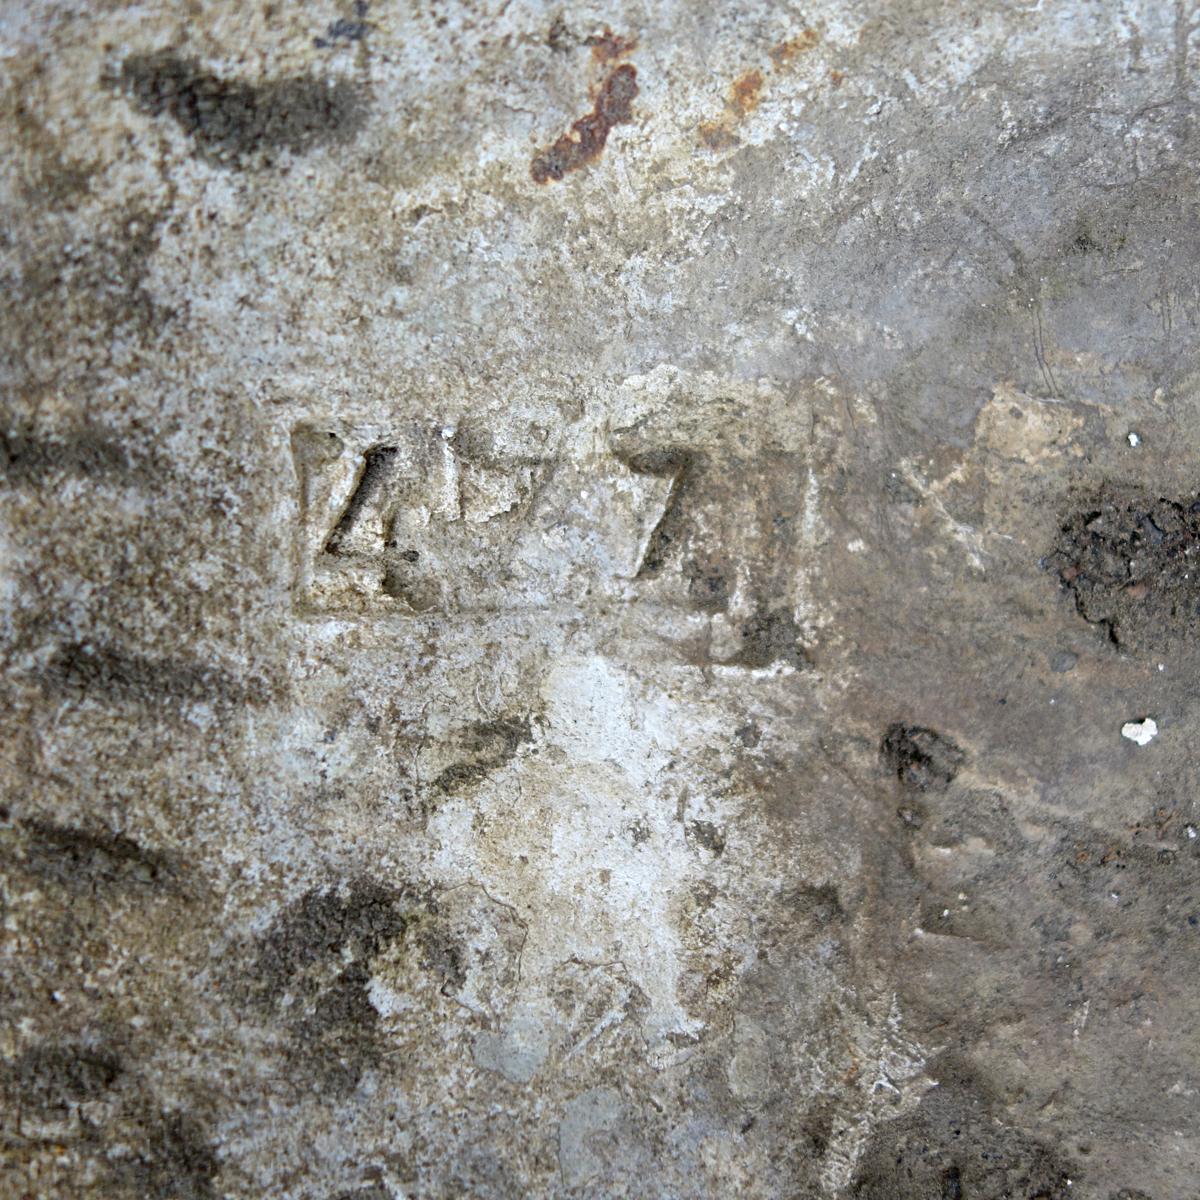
571,577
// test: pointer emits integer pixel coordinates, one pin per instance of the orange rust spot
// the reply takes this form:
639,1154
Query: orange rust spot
785,51
587,136
608,46
716,135
836,77
745,93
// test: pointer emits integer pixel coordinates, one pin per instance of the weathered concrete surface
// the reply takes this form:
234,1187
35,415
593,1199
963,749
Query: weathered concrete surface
572,580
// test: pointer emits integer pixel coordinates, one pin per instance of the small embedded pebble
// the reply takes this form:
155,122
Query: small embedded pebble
1064,660
1141,732
1134,439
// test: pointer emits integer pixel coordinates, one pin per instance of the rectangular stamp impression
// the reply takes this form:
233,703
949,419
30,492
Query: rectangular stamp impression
425,518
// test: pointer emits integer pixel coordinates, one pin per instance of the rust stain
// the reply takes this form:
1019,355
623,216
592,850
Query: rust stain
836,77
745,93
783,52
587,136
717,135
608,47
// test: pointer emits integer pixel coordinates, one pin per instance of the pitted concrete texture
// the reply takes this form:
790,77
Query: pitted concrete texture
573,582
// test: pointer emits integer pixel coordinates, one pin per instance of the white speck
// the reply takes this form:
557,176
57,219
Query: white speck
58,997
857,546
945,912
1162,666
1141,732
1115,895
1134,440
447,432
1191,831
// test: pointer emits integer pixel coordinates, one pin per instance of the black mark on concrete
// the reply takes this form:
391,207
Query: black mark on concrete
559,37
83,288
345,30
708,585
749,735
923,759
109,673
708,835
337,1023
770,636
170,1158
232,120
55,1075
1129,560
813,907
486,746
86,453
312,967
441,955
951,1148
84,860
325,925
